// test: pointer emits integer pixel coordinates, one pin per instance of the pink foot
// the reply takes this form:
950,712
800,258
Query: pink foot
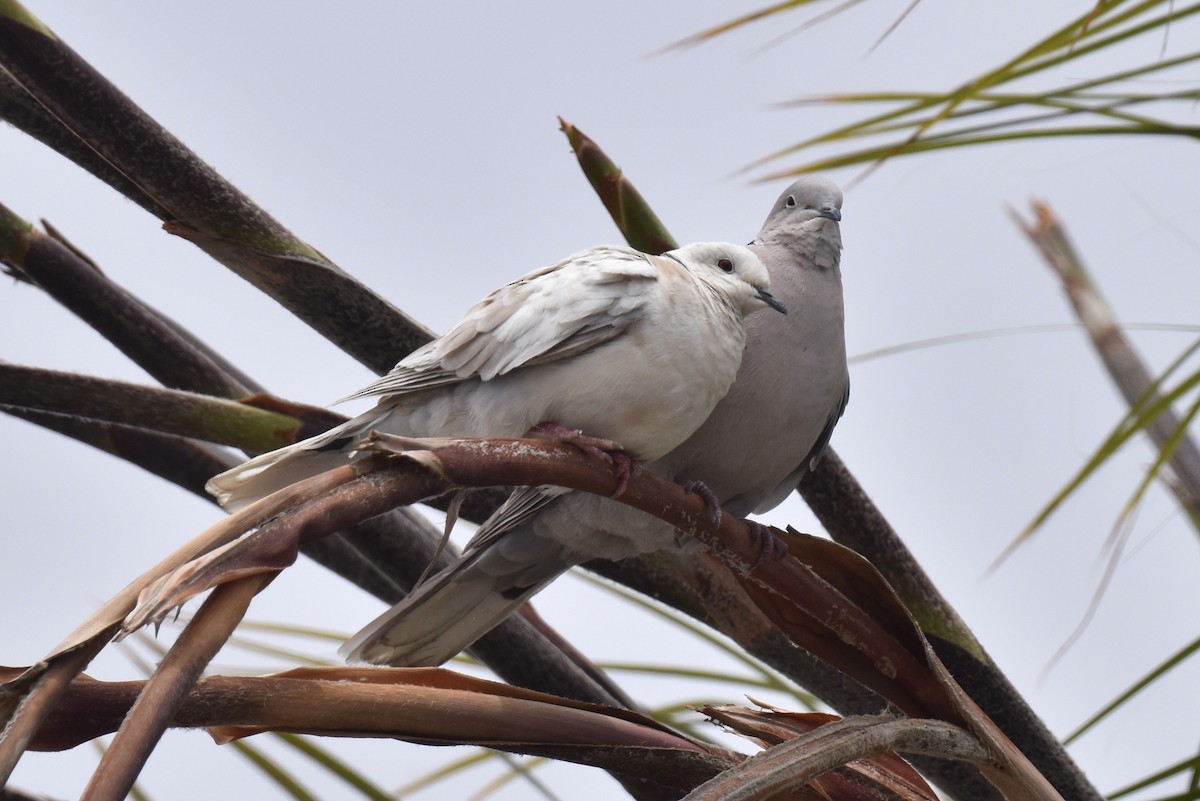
596,446
710,499
772,546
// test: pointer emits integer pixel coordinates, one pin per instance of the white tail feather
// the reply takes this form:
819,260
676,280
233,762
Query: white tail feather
241,486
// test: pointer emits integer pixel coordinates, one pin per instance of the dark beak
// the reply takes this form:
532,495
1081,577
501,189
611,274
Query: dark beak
830,213
772,301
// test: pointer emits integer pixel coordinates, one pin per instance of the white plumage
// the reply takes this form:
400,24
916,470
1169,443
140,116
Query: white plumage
618,344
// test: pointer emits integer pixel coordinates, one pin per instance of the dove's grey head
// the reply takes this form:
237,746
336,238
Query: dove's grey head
732,270
805,221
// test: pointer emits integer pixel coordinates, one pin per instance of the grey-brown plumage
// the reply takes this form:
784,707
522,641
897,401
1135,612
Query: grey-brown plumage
793,383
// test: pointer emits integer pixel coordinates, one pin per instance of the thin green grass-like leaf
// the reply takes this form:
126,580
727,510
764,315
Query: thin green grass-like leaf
683,718
1047,123
895,24
882,153
753,16
1078,90
476,757
788,5
1138,417
321,756
825,16
679,672
687,728
1068,44
1171,771
272,627
1105,26
992,333
1058,49
768,678
274,771
1168,449
990,101
1123,528
672,714
1162,669
288,655
1135,420
680,707
1006,72
1089,42
1171,369
1054,109
138,794
517,769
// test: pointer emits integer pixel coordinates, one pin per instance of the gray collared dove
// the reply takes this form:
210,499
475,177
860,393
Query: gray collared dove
751,452
618,344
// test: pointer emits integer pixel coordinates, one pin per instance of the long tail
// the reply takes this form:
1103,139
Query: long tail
450,611
242,485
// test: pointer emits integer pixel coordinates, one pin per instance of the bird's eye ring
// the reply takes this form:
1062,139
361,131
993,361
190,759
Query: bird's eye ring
790,202
726,265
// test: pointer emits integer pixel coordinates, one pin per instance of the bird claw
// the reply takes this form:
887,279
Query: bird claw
593,445
596,446
626,469
710,499
772,547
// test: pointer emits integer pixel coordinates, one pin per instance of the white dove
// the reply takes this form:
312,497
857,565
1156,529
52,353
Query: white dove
750,453
617,344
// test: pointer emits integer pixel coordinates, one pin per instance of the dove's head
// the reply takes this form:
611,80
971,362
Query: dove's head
805,220
732,271
810,197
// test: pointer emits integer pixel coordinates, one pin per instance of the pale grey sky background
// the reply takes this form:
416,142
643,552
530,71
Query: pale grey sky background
417,146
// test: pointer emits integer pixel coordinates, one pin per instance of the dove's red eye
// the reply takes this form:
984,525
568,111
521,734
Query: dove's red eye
726,265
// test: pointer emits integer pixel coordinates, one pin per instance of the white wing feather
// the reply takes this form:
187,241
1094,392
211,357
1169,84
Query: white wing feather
547,315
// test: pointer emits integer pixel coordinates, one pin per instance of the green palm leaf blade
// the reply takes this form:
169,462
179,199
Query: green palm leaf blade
629,210
165,411
913,115
1141,684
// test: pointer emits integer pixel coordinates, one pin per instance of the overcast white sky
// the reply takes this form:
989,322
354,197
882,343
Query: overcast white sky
417,146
